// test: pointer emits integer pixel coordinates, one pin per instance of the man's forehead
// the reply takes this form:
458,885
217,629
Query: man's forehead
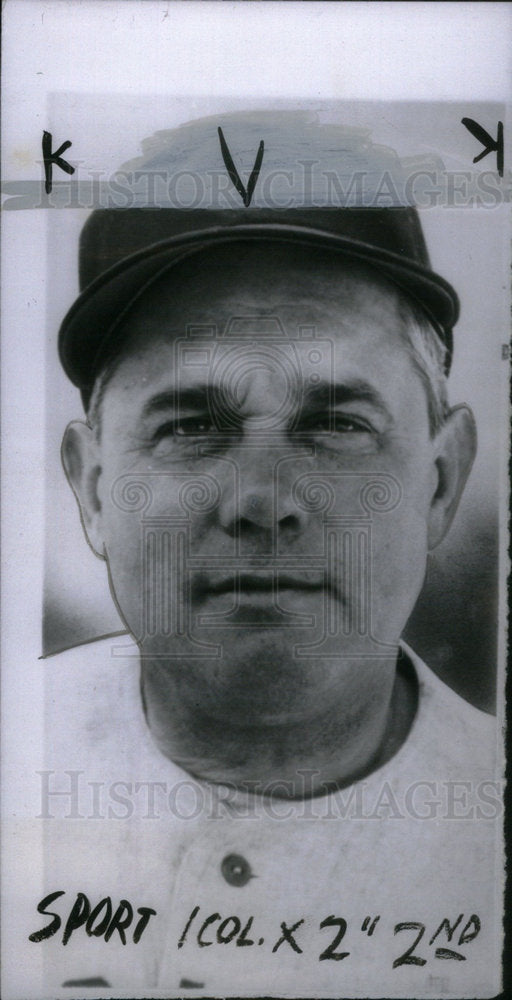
238,322
263,299
252,337
269,347
252,363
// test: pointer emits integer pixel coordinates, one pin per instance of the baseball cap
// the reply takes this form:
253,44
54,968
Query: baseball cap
320,185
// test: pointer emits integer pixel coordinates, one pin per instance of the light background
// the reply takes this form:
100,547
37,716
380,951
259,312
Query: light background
454,624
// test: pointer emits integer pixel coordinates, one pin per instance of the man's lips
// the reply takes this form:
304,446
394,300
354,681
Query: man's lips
248,582
252,583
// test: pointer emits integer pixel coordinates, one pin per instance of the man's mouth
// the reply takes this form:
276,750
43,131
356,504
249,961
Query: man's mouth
259,587
252,583
258,599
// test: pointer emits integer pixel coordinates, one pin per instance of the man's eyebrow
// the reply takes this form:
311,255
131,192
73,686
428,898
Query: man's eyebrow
352,390
324,394
193,397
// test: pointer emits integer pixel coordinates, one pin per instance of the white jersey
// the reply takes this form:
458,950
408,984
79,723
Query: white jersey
389,881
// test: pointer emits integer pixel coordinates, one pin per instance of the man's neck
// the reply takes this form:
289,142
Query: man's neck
331,750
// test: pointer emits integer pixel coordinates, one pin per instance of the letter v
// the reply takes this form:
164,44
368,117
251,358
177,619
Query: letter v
246,195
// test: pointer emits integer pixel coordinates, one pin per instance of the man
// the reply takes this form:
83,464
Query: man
267,459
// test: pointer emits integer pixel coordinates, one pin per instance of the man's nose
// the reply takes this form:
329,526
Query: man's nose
263,503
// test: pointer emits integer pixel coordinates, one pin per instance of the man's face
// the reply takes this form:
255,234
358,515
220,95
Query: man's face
283,392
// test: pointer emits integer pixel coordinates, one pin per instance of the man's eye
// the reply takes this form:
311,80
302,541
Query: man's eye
343,433
332,423
186,427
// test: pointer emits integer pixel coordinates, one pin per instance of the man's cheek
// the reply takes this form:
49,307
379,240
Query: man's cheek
398,561
402,539
149,569
126,564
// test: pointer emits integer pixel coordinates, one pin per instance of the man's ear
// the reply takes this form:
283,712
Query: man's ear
455,450
80,458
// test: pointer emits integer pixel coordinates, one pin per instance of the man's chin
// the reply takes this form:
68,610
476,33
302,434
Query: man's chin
257,681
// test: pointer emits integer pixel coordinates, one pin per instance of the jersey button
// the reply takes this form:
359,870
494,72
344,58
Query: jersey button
236,870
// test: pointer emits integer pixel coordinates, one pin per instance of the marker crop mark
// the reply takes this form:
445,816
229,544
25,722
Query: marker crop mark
245,194
54,158
490,145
